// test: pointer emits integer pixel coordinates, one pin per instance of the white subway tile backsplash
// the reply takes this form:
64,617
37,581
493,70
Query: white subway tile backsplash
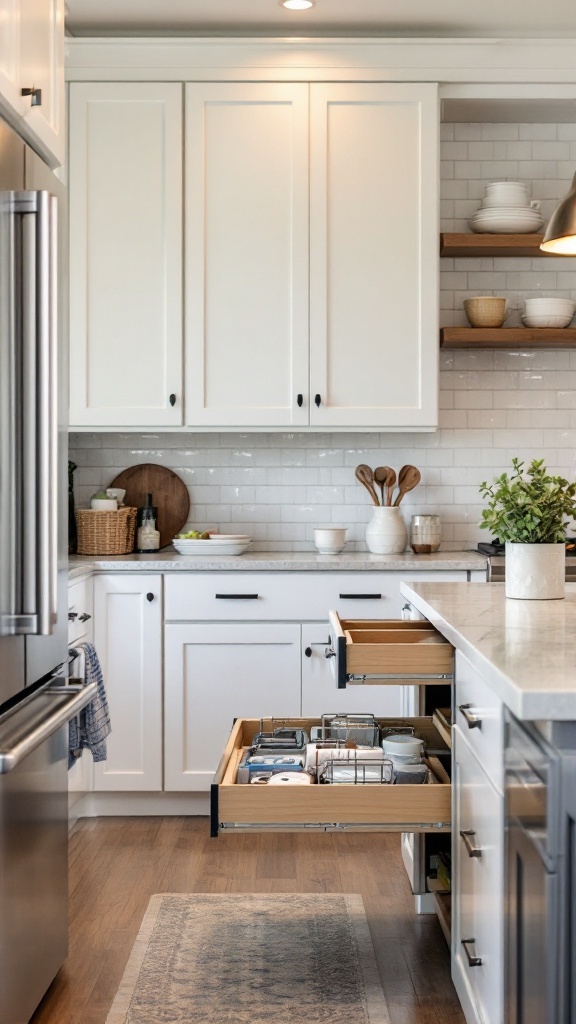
494,404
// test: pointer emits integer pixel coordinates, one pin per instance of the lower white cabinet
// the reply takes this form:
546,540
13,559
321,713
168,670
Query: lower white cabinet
477,888
319,692
213,674
128,639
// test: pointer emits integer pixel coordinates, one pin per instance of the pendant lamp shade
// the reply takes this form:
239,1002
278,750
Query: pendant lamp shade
560,234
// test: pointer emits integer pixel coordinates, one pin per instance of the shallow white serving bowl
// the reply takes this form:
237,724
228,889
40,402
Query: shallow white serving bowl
546,320
497,203
211,547
544,305
517,223
330,540
505,186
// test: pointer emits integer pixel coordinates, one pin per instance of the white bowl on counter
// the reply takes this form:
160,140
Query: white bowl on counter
330,540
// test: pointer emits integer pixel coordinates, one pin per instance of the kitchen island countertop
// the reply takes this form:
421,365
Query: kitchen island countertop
524,650
169,560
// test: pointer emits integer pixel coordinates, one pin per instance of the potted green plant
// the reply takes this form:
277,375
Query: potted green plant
529,511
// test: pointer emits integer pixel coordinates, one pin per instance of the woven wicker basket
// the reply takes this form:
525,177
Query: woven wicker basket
106,533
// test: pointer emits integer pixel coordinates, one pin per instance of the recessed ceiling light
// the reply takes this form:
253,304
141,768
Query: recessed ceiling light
297,5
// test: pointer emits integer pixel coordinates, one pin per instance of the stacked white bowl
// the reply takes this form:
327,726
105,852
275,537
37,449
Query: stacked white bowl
548,312
507,209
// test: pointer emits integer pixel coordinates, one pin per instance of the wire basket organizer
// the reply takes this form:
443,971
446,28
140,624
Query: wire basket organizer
106,533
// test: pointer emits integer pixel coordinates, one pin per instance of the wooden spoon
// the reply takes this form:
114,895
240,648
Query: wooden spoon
365,476
386,479
408,478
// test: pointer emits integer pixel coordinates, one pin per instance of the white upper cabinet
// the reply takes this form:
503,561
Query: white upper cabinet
42,72
247,254
32,73
126,254
311,254
374,255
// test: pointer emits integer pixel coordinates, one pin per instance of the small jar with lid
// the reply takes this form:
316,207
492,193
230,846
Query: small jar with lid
425,534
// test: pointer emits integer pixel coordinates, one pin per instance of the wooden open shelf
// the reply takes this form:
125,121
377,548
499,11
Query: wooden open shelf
454,244
507,337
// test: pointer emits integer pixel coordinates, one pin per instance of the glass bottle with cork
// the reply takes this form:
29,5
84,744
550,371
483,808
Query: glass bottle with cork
147,536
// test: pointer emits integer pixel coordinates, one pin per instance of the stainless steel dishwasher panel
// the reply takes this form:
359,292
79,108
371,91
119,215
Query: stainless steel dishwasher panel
33,877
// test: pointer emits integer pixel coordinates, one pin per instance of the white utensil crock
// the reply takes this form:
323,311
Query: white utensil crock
535,572
386,531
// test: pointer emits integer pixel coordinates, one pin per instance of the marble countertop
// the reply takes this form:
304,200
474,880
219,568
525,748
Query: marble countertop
524,650
169,560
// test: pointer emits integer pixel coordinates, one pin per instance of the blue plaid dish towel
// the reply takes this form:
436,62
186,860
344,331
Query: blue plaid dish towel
91,727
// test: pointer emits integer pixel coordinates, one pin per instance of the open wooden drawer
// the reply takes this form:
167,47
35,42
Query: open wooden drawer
393,651
372,808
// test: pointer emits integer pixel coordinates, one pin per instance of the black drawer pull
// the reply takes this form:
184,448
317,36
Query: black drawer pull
360,597
172,399
473,961
300,401
317,401
308,652
150,597
72,616
236,597
472,721
473,851
84,617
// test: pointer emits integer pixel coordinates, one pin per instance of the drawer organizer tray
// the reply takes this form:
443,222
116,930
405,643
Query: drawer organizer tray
388,651
386,808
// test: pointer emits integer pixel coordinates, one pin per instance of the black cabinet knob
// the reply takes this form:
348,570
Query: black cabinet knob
35,96
149,597
84,617
308,652
317,401
299,401
72,616
172,399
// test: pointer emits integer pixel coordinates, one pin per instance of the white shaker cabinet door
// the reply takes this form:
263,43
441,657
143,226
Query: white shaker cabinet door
374,255
246,254
320,694
126,254
42,70
214,674
128,640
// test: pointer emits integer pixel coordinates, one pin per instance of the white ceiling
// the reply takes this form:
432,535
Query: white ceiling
483,18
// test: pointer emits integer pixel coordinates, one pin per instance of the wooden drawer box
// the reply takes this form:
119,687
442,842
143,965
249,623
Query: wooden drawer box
388,651
372,808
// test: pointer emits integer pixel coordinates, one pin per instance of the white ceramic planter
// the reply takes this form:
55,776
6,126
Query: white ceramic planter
535,572
386,531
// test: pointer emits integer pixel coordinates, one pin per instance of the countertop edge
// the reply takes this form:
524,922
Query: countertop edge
528,707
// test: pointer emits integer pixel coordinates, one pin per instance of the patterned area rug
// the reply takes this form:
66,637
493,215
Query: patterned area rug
252,959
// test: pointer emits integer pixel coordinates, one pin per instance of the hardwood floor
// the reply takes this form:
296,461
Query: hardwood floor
117,863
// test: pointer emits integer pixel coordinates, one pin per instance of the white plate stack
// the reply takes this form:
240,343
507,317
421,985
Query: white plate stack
507,209
217,544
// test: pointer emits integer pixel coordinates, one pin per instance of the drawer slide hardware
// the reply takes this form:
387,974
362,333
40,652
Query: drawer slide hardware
391,676
473,960
329,826
473,851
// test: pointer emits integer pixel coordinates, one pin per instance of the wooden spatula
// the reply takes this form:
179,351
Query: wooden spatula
408,478
365,476
386,479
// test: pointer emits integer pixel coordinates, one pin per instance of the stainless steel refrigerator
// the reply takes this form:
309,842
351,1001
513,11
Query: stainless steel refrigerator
36,700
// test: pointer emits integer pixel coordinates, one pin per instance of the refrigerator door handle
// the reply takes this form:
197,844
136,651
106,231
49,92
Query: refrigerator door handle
34,519
17,743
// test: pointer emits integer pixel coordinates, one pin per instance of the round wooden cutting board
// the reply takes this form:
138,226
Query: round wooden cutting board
169,494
